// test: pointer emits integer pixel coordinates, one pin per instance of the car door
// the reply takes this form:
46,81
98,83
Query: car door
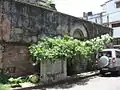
117,58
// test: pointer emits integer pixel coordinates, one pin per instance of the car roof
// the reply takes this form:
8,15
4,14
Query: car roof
111,49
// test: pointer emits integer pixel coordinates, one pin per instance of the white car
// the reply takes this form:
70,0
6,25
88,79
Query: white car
108,60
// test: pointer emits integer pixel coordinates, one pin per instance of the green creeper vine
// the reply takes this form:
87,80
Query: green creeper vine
66,48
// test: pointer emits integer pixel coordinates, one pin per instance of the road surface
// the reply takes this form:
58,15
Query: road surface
107,82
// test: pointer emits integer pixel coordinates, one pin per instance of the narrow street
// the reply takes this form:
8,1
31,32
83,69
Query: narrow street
107,82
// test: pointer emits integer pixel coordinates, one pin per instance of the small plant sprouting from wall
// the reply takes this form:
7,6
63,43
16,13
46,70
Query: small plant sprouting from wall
46,4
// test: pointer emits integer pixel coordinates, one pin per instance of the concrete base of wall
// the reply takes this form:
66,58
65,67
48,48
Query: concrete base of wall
52,72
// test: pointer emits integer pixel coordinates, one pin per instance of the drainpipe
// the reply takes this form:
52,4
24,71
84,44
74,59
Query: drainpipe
108,20
101,19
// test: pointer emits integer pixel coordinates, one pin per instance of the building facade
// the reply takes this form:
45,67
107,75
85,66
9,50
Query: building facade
110,16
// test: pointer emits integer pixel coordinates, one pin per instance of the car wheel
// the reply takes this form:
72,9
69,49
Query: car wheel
114,73
102,72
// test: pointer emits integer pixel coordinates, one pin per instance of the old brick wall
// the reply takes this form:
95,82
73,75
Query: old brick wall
15,59
25,23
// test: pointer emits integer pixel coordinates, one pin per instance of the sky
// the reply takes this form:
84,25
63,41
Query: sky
77,7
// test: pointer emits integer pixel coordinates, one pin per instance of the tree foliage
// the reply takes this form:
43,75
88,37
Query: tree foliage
66,48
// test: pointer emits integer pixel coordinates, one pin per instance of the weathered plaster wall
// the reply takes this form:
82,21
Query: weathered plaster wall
22,23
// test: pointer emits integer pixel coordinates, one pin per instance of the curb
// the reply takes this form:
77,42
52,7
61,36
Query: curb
69,79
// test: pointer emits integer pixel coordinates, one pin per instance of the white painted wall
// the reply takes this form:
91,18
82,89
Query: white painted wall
114,15
110,8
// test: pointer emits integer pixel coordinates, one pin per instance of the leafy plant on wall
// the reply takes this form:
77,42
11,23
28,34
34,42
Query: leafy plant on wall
67,48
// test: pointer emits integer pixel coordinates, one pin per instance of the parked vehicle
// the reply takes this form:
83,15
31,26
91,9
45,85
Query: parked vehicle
108,60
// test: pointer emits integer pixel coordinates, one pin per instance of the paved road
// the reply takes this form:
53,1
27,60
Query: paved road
107,82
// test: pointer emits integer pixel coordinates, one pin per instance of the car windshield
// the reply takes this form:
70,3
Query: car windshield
105,53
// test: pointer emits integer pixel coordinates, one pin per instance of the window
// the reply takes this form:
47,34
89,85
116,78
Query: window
116,25
117,54
118,4
105,53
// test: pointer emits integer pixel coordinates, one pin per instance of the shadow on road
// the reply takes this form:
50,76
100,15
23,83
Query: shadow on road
110,75
72,83
64,85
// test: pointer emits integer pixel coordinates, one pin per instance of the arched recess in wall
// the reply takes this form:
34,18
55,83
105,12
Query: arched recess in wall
79,32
